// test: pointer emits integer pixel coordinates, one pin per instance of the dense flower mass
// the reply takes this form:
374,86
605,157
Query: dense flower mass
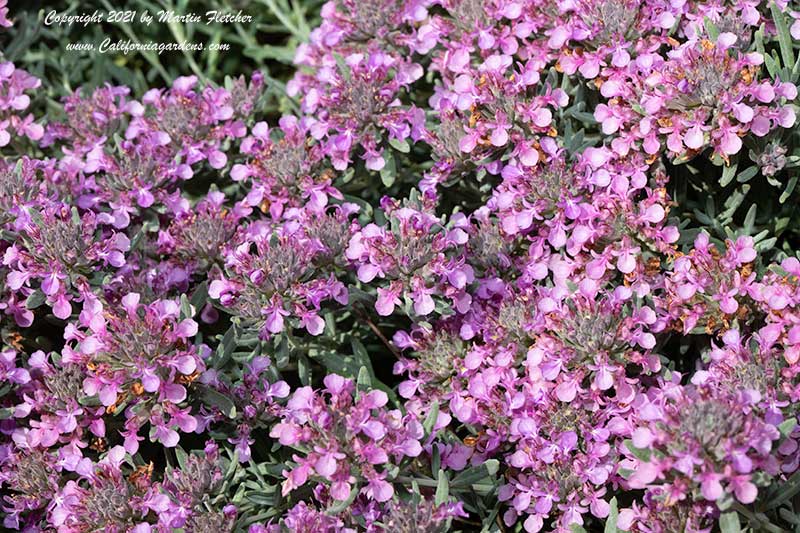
493,274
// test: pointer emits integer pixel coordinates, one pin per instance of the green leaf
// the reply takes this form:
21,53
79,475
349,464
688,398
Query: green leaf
577,529
36,217
261,498
266,51
344,68
442,488
181,455
772,65
750,219
361,359
790,516
483,473
186,308
400,146
489,523
389,171
787,426
346,365
430,420
364,379
233,465
766,244
36,299
282,351
304,369
436,459
787,490
613,516
640,453
729,523
361,354
787,192
777,269
784,37
199,296
89,401
625,473
226,347
747,175
728,173
213,398
76,217
711,29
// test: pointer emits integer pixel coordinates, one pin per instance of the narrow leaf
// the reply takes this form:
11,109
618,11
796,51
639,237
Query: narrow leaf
430,420
442,489
613,516
729,523
784,37
214,398
639,453
364,379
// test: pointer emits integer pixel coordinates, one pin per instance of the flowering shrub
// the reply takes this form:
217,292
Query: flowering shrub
494,272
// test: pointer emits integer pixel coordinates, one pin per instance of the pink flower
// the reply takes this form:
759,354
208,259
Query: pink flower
325,465
275,313
730,143
388,299
379,490
710,486
693,138
745,491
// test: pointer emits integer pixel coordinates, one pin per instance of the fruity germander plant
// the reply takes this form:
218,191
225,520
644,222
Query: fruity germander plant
519,265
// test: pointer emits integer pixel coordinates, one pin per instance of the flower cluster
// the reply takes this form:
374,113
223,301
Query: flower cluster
701,94
139,358
341,435
493,274
57,249
356,104
14,83
410,252
280,273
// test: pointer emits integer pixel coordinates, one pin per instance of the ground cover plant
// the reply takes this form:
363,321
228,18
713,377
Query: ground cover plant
404,266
